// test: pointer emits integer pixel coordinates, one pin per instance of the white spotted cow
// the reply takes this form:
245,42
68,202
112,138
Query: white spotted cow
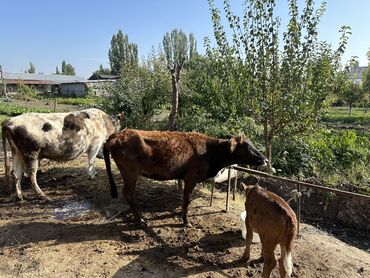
55,136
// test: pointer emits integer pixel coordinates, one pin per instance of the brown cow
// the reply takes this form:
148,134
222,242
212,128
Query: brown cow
164,155
275,222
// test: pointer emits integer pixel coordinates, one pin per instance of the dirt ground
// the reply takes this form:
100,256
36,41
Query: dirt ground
82,232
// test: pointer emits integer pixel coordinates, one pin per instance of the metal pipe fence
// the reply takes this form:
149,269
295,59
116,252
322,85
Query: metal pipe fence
293,183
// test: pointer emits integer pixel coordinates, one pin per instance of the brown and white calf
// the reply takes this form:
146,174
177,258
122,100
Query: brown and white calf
275,222
55,136
164,155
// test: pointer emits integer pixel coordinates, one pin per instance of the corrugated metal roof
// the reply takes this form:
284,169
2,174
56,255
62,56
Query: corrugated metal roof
52,78
98,76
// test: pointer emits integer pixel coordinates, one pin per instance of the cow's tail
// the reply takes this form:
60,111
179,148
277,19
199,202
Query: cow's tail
113,187
289,237
8,176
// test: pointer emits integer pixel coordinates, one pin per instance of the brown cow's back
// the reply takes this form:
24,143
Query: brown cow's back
153,151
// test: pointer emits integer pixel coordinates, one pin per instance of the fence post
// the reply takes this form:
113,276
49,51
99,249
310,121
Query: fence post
299,208
228,188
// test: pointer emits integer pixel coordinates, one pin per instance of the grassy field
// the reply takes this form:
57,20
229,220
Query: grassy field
12,109
340,115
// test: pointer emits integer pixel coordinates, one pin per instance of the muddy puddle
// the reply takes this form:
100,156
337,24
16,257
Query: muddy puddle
73,211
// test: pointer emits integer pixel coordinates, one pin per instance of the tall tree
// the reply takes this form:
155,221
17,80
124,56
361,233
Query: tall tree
282,85
122,53
32,68
179,50
67,69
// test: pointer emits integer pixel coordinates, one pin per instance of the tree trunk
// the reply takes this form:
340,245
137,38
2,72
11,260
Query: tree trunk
268,145
350,109
175,100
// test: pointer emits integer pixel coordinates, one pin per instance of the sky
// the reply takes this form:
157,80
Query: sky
79,32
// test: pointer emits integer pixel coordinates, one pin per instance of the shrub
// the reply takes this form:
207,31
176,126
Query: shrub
325,154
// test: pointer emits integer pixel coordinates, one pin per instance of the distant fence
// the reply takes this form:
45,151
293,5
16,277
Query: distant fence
289,182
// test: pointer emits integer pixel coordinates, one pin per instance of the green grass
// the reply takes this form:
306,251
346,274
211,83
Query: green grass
10,109
83,101
340,115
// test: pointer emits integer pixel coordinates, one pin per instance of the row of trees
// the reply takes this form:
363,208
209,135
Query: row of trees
66,69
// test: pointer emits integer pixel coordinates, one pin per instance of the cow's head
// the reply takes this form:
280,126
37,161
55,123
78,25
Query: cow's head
245,152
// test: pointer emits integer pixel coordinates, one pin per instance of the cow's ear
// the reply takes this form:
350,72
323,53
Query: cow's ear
233,144
244,186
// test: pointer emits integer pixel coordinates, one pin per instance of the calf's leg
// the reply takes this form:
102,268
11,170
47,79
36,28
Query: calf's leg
248,241
269,261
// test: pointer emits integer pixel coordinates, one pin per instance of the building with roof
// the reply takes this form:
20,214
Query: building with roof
356,74
43,83
98,76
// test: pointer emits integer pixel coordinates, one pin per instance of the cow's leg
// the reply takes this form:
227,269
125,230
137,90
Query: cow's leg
91,155
189,186
32,164
129,184
17,172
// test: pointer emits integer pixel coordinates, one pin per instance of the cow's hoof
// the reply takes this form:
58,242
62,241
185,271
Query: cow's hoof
140,223
245,258
44,198
188,225
256,262
19,197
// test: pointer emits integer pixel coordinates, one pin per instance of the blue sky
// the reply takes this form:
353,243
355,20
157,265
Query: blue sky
47,32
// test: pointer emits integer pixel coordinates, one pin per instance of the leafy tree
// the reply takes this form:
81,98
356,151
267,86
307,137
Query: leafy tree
366,88
352,94
103,70
67,69
122,53
140,91
179,50
32,68
283,84
57,70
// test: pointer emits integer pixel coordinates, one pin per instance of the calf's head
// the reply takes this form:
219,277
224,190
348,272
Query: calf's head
245,152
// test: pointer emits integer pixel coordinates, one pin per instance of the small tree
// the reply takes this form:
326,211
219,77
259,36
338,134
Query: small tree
178,50
32,68
139,91
103,70
122,53
352,94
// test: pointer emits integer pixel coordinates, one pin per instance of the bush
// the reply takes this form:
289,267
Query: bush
26,91
325,154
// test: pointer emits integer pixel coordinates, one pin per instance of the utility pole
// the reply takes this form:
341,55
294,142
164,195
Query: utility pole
2,83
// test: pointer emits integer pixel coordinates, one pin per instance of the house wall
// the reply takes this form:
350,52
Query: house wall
99,88
73,89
